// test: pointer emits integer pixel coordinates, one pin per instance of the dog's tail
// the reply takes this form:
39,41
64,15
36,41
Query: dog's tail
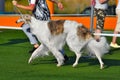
102,46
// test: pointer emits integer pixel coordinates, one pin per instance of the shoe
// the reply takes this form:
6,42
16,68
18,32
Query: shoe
114,45
31,51
66,58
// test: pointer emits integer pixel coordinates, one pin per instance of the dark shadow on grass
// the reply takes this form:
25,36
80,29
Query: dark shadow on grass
14,41
112,50
91,61
94,61
39,61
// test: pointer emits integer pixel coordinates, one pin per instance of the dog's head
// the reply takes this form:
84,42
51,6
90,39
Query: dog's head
83,32
24,18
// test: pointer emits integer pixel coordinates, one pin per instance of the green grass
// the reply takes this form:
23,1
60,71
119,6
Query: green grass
14,47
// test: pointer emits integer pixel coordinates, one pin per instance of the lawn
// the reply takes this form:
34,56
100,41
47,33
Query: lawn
14,47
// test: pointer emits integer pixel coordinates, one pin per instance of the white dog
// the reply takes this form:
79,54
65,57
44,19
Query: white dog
54,34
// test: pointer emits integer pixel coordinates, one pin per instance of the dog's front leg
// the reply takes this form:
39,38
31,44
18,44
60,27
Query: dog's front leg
54,50
74,46
57,54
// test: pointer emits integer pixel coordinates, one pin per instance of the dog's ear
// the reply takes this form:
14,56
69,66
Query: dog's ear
83,32
27,17
84,29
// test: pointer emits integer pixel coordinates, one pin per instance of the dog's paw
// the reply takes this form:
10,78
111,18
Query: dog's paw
75,64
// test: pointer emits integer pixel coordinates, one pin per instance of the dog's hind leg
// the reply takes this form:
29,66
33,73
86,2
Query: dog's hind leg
78,55
40,51
100,61
98,55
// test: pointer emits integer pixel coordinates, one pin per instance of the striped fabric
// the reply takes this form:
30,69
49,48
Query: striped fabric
41,12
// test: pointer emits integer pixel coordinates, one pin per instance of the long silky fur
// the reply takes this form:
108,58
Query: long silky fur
54,34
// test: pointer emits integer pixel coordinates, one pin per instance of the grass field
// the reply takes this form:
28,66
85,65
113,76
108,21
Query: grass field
14,47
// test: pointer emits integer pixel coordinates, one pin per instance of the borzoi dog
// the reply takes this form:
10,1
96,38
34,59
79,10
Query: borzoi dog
54,34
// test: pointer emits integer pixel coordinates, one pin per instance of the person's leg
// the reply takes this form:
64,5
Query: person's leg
113,43
65,56
31,37
114,37
100,14
117,29
97,37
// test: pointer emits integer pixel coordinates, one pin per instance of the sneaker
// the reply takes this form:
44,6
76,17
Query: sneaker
114,45
31,51
66,58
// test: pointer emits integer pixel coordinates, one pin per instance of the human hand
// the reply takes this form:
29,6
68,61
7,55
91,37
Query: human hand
103,1
14,2
93,2
60,5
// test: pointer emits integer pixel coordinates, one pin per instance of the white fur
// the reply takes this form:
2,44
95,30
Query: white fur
97,49
69,36
50,42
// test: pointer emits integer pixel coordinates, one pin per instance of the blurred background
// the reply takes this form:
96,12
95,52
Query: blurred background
70,7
